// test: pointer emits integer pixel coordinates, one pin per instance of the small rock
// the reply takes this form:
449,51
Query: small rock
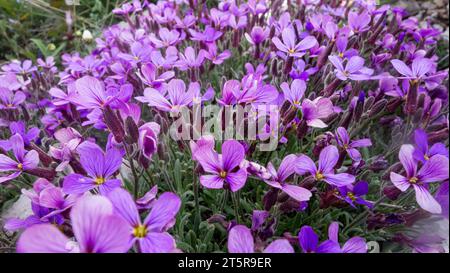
20,209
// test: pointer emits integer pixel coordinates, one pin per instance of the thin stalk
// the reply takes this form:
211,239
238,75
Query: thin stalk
235,206
196,199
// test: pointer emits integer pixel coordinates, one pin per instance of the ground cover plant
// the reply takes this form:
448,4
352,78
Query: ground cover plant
229,126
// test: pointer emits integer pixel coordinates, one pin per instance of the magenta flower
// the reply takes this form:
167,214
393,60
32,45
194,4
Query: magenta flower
41,214
148,138
139,53
166,38
69,139
354,69
10,99
222,167
359,22
289,44
149,77
28,136
96,230
278,178
316,110
214,56
434,170
151,234
309,242
91,93
353,245
189,59
328,158
209,35
423,152
353,194
23,160
177,96
343,140
166,62
100,168
240,240
257,35
419,68
295,92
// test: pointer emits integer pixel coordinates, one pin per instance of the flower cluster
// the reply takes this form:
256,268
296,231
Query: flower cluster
357,91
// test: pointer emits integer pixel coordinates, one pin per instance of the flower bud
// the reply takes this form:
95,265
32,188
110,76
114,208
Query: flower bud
391,192
411,98
132,130
42,173
114,124
87,36
377,108
270,198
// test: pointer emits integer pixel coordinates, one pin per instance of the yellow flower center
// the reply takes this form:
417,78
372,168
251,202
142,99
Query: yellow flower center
223,174
20,166
140,231
136,58
319,176
351,196
413,180
296,102
341,54
426,157
291,51
345,146
99,180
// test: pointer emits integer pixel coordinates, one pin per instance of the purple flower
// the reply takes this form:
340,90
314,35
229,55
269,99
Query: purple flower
165,62
10,99
91,93
21,68
28,136
69,139
139,53
151,234
177,96
257,35
43,195
277,180
422,152
295,92
148,138
222,167
328,158
149,77
214,56
353,194
23,160
289,45
189,59
314,111
434,170
419,68
353,245
343,140
240,240
359,22
209,35
354,69
96,229
309,242
100,168
166,38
